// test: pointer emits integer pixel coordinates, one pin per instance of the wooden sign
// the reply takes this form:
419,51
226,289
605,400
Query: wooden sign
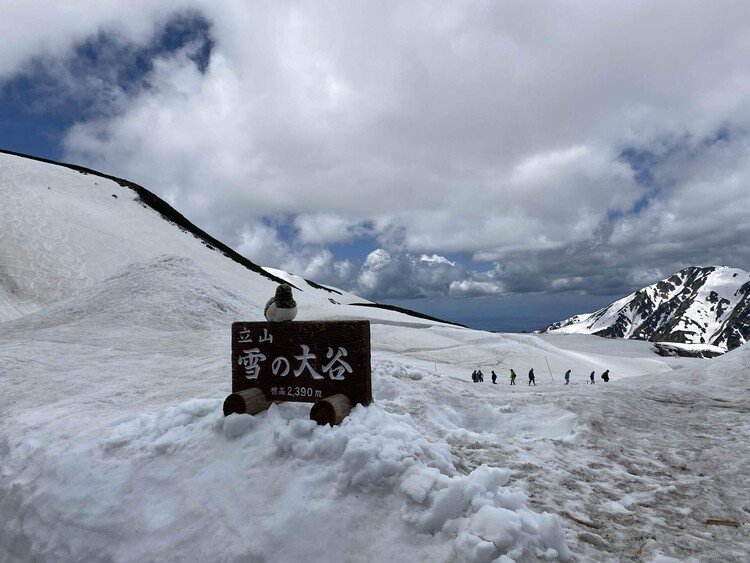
303,361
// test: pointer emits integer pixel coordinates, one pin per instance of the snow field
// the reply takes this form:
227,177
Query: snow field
114,363
96,467
187,483
114,446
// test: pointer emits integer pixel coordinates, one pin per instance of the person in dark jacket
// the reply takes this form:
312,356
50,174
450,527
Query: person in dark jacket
591,377
532,379
605,376
494,377
567,377
512,377
474,376
480,376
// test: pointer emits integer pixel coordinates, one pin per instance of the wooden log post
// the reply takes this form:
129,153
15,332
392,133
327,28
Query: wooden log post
331,410
250,401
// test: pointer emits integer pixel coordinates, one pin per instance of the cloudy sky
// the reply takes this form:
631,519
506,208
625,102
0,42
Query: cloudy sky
506,158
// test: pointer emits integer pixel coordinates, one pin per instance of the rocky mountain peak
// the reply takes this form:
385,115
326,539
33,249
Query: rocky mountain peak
697,305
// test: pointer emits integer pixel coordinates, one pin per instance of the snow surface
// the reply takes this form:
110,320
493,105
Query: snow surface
114,447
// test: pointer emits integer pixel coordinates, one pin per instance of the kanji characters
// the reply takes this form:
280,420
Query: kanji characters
304,359
337,367
250,361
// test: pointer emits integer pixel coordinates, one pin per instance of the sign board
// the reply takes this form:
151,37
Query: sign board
303,361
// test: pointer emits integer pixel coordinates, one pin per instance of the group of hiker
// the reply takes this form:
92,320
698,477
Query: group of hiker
478,377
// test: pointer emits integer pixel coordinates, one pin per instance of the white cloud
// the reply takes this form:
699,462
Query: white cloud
263,244
325,229
470,288
388,275
488,128
436,259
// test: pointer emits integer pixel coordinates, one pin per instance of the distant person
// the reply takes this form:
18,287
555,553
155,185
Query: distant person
532,379
605,376
567,377
512,377
480,376
591,377
494,377
474,376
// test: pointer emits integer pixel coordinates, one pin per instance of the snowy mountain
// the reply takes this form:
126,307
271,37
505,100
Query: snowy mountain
65,228
114,363
696,306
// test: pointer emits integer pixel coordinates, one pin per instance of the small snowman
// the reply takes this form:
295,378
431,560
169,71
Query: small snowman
282,306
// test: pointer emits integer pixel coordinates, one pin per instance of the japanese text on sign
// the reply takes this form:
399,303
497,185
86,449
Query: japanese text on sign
303,361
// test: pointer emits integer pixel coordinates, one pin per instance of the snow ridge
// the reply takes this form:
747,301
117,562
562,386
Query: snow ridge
709,306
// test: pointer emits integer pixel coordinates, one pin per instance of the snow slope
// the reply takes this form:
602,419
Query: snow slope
695,306
62,230
114,362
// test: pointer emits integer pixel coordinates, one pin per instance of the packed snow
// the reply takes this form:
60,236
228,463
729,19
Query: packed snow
114,446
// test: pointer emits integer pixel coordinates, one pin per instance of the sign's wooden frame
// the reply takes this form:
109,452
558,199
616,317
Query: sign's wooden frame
322,362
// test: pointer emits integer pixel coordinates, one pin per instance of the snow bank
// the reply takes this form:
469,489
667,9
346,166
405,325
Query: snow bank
186,483
729,370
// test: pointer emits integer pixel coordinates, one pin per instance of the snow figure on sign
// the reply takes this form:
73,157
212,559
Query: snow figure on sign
282,306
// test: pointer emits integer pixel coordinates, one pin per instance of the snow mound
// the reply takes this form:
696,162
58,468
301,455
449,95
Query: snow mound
733,367
271,487
168,292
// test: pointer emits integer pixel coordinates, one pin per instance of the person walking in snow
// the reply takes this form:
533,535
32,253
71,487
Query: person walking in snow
532,379
591,377
567,377
480,376
512,377
605,376
494,377
474,376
